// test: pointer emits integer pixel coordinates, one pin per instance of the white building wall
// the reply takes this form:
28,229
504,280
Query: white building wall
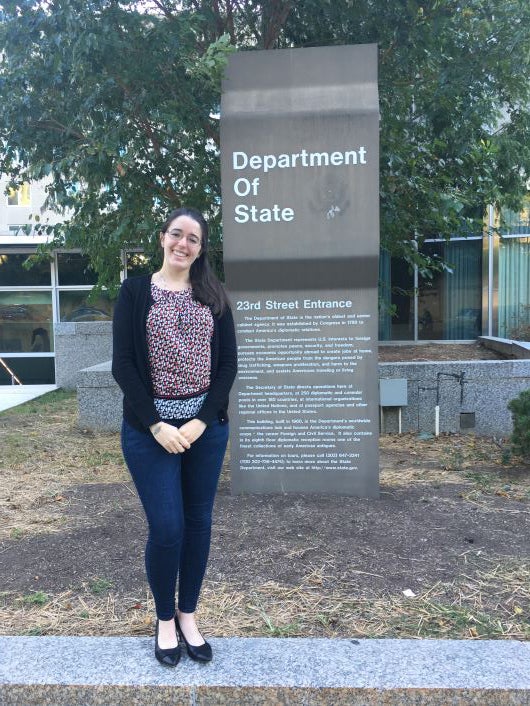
23,215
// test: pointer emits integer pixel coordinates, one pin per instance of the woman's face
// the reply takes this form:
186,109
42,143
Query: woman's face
182,243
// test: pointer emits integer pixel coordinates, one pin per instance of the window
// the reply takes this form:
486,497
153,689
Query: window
74,269
19,196
514,288
138,264
396,299
26,322
14,274
30,371
450,303
516,223
77,306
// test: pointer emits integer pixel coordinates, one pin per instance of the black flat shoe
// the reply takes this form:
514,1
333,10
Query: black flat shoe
202,653
169,658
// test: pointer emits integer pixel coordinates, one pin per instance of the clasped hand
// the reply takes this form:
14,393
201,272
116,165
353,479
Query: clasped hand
177,440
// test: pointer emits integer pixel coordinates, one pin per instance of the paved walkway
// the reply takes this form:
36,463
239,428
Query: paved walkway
13,395
266,671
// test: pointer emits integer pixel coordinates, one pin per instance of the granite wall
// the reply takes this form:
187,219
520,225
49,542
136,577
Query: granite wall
479,405
79,345
100,399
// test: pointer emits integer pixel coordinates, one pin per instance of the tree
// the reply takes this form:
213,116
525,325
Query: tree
116,103
114,108
454,100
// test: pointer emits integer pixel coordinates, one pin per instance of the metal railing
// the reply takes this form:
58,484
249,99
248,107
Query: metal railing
14,378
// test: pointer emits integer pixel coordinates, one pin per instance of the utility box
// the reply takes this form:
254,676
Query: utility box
392,393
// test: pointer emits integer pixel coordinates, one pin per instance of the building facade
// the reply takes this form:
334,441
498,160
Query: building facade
55,289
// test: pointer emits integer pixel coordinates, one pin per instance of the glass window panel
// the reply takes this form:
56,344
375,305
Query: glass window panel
514,288
74,268
24,195
13,274
26,322
402,300
30,371
463,289
516,222
385,294
76,306
20,196
430,304
138,264
450,304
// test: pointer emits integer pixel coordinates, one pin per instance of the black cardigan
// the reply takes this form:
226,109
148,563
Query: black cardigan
130,359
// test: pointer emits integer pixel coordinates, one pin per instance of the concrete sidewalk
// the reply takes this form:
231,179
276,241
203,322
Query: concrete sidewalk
13,395
298,671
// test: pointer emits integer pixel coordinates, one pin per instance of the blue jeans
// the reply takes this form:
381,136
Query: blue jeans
177,492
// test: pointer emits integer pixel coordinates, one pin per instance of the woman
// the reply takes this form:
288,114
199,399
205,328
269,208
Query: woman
174,358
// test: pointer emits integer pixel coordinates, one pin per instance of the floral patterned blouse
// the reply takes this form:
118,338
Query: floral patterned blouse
179,332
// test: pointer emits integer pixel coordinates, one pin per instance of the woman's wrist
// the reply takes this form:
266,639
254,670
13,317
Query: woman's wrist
155,428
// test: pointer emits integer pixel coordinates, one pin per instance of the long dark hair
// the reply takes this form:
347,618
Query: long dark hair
206,287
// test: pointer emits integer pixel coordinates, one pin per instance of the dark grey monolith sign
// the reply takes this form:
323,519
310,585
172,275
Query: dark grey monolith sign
299,161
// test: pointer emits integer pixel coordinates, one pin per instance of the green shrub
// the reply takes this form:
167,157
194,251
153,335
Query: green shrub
520,409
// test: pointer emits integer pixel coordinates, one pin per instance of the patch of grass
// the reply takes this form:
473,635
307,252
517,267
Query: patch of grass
100,458
453,460
506,456
437,620
15,448
325,620
273,630
99,585
482,480
35,598
35,631
45,453
16,533
291,630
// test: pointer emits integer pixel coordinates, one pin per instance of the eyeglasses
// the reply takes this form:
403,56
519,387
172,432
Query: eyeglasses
178,235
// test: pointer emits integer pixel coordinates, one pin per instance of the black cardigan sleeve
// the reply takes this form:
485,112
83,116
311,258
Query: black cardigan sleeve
126,357
225,373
